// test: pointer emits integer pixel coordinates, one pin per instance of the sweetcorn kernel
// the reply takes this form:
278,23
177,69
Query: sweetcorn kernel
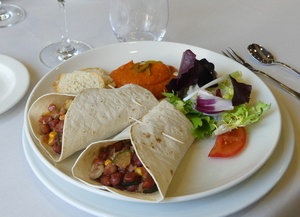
51,137
108,161
139,171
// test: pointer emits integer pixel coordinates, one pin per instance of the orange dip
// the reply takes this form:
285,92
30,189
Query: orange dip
153,76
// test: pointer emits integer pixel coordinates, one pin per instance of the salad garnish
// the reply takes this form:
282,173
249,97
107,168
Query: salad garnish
215,105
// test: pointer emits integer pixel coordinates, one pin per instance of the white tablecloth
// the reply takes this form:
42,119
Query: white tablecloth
214,25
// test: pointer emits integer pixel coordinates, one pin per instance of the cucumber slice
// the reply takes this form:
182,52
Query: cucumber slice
126,184
123,159
150,190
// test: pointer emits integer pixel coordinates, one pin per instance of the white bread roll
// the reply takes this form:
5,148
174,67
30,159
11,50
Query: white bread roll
108,81
75,82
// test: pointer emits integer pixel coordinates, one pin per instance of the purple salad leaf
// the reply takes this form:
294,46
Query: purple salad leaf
241,93
187,62
207,72
191,72
187,74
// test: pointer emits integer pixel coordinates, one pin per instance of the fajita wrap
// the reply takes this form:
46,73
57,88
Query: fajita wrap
160,140
94,114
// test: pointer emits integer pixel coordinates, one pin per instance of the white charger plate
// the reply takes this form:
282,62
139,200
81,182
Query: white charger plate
14,82
197,175
221,204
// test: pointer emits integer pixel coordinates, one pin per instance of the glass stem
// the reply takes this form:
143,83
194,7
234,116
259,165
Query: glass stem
4,15
66,46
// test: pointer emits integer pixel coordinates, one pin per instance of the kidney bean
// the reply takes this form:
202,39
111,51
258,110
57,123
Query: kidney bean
45,129
59,126
132,188
116,178
131,177
52,124
148,183
103,155
145,173
110,169
126,147
98,161
52,107
118,146
136,161
56,148
45,119
105,180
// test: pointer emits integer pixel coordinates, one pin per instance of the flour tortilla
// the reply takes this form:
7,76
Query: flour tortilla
94,114
159,154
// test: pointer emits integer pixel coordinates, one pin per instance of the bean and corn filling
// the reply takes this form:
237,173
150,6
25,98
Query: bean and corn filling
118,166
52,124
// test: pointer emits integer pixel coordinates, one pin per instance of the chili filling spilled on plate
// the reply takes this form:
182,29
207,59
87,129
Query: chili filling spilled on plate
52,124
118,166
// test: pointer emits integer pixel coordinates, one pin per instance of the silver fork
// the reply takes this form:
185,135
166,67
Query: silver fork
231,54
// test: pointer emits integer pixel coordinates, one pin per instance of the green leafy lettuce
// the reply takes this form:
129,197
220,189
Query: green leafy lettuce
241,115
203,125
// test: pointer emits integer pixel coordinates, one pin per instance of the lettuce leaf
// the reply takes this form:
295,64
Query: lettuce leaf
241,116
203,125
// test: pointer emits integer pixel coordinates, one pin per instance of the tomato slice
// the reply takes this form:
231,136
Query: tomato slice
229,144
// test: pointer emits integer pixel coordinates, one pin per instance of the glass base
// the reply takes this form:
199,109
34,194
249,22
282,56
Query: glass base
140,36
11,15
51,56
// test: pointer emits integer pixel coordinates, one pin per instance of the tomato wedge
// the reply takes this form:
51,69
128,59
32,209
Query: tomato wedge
229,144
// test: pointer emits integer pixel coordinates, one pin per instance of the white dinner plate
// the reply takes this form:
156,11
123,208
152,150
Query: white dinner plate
14,82
197,175
221,204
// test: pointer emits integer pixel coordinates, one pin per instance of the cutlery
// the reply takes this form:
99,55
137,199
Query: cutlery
231,54
262,55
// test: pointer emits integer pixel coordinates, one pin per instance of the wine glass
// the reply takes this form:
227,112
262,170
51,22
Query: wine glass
139,20
57,52
10,15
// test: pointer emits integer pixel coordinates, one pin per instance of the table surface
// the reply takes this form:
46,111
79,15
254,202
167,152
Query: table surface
214,25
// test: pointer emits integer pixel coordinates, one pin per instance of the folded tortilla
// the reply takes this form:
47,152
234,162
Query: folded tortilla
160,140
95,114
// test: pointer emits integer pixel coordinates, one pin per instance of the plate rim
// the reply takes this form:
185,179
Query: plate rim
22,80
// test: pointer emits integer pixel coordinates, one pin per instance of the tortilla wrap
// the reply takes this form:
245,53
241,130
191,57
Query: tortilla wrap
95,114
159,153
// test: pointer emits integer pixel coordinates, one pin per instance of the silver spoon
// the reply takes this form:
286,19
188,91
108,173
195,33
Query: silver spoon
264,56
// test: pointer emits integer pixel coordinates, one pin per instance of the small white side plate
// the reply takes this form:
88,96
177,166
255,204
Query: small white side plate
14,82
